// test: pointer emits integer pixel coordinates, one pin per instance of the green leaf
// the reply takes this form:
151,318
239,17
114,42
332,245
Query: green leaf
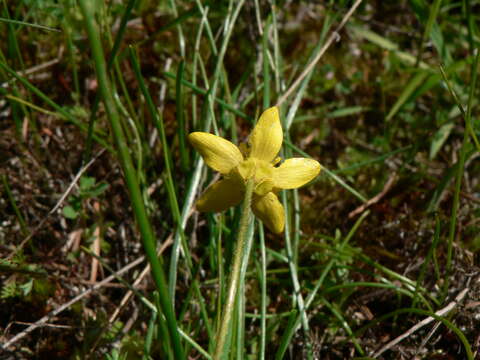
386,44
26,288
420,8
86,183
97,190
69,212
347,111
439,139
406,95
9,290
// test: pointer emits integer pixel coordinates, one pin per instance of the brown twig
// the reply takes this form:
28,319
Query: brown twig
43,320
137,282
58,204
334,36
423,323
96,250
376,198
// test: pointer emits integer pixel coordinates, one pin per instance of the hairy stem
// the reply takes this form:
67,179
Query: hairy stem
235,273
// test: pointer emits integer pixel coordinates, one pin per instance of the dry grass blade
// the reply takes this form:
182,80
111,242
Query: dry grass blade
333,37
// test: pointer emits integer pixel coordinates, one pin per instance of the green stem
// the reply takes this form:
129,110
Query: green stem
131,180
18,213
235,273
459,176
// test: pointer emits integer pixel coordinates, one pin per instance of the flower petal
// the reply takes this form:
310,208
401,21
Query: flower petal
295,172
268,209
220,154
220,196
267,136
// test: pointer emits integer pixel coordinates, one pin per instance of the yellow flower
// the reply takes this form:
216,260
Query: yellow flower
259,161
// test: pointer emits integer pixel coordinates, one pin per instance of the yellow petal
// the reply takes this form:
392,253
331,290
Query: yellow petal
220,196
220,154
268,209
295,172
267,136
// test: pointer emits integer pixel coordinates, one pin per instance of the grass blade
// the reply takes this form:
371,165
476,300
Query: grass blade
130,178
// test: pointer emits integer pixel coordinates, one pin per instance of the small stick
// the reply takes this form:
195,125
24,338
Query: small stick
61,308
136,283
96,250
37,68
427,338
423,323
376,198
58,204
333,37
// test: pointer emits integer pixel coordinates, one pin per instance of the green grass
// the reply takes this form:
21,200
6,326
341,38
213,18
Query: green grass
393,96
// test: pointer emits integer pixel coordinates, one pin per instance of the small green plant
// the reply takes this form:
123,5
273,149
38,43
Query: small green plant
23,278
88,189
116,355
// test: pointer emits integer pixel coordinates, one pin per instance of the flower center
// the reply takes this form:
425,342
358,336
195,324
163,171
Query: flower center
261,172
